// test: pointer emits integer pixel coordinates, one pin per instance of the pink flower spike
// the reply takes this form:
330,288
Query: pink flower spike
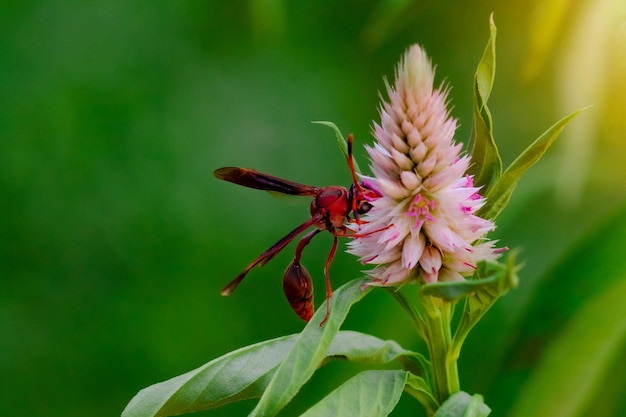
422,186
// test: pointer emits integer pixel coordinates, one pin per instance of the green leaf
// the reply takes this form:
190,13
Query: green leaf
364,348
420,389
370,393
309,350
235,376
452,291
486,71
247,372
461,404
486,162
343,145
499,194
494,279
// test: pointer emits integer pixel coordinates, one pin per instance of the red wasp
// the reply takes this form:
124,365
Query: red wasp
330,210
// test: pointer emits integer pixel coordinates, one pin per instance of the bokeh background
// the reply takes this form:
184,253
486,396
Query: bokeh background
115,238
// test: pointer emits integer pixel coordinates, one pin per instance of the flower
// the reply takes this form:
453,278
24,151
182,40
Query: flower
423,225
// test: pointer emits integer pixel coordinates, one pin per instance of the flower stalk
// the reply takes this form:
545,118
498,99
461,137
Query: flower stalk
424,228
438,318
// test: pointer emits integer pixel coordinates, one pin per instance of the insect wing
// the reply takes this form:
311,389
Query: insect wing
266,256
260,181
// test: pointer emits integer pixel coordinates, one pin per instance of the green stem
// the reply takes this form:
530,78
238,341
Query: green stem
432,318
443,356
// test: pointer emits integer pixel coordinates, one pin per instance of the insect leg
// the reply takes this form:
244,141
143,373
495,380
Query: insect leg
302,244
329,289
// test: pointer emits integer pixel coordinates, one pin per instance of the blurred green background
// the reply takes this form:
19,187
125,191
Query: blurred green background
116,238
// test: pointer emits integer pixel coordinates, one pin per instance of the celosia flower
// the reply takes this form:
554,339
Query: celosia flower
424,224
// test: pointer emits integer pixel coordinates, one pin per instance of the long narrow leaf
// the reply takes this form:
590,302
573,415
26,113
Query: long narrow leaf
361,347
452,291
343,145
486,162
310,349
368,394
486,71
235,376
245,373
498,196
494,280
